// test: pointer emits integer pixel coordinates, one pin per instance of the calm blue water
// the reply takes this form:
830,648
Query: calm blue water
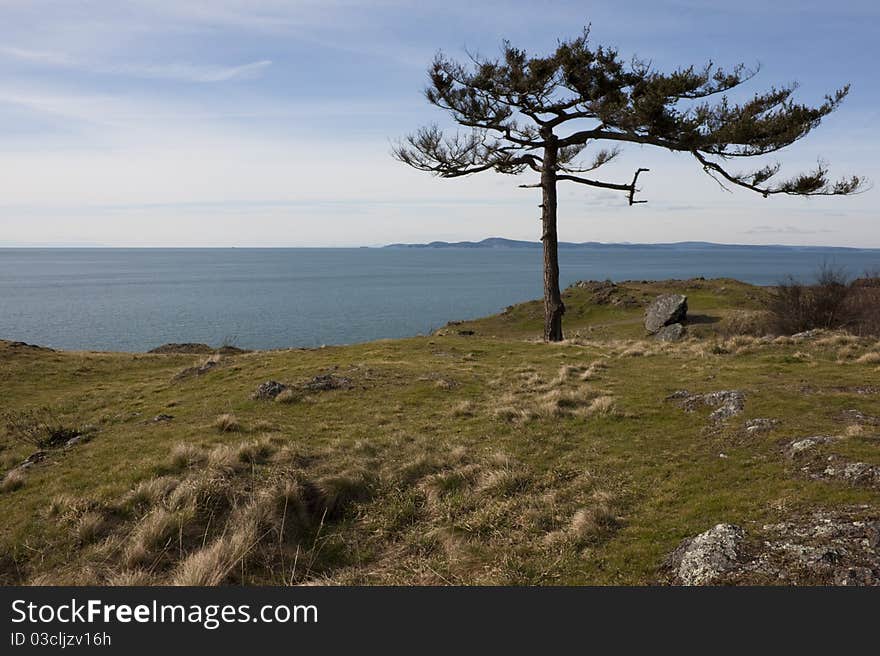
135,299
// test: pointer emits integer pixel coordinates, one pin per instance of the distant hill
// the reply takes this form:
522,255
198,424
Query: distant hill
500,242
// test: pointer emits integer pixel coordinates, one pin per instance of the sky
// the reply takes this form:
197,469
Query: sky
270,123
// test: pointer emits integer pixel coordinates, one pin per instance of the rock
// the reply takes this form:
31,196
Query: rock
759,425
33,459
854,473
605,292
196,348
809,334
200,370
162,417
185,348
664,310
859,417
801,446
78,439
671,333
326,382
859,576
30,347
701,560
728,403
824,548
268,390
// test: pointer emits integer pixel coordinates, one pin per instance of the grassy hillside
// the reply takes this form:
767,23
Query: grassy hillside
477,455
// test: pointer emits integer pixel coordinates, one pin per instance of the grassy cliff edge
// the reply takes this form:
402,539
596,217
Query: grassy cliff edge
476,455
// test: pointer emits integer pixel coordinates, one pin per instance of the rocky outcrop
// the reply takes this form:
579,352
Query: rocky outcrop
326,382
195,348
824,548
805,445
665,310
727,403
701,560
605,292
760,425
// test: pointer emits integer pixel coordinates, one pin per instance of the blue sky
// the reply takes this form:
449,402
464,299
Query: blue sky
248,123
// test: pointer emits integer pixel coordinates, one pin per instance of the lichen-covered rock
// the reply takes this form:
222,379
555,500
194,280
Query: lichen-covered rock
269,390
840,547
760,425
727,403
803,445
671,333
665,310
701,560
326,382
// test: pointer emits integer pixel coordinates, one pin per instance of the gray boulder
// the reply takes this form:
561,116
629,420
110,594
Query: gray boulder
666,309
671,333
701,560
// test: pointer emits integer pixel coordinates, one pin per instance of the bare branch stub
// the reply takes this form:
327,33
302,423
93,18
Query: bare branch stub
632,187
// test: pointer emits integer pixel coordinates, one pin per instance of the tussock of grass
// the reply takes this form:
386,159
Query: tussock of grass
227,423
333,494
90,527
255,451
154,534
13,480
151,492
288,396
464,409
869,358
185,455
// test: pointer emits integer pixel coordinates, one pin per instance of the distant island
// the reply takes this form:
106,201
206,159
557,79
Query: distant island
500,242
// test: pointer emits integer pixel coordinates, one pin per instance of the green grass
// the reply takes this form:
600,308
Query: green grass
452,459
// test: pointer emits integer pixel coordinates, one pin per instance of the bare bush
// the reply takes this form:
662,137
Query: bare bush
832,301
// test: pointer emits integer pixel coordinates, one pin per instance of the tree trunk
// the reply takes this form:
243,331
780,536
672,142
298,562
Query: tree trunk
553,305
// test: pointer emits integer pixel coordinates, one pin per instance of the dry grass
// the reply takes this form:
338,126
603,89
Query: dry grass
150,492
464,409
90,527
211,565
131,577
13,480
288,396
185,455
227,423
872,357
746,322
154,534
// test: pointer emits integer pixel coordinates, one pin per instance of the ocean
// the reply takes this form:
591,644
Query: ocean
136,299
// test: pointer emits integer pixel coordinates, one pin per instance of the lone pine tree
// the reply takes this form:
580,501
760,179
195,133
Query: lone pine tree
542,113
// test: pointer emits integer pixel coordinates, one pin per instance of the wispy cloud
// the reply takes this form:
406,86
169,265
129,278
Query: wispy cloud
170,71
785,230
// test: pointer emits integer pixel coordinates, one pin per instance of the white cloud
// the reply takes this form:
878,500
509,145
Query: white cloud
171,71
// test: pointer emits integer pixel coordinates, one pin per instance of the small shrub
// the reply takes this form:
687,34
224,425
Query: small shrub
39,427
